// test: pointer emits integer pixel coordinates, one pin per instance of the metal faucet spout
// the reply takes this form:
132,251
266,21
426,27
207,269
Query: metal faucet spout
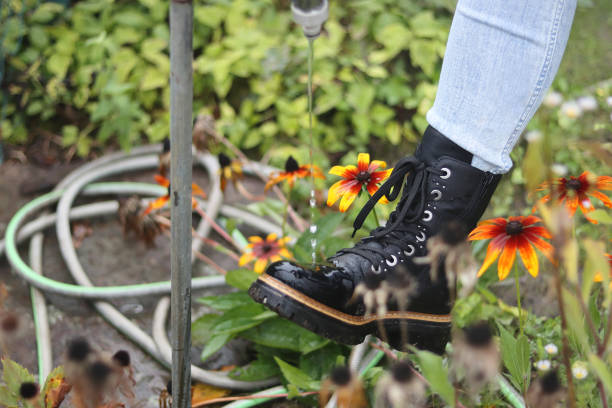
310,14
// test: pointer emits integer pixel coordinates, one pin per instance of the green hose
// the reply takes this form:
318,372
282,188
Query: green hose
106,292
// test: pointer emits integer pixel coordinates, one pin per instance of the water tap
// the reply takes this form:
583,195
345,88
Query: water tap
310,14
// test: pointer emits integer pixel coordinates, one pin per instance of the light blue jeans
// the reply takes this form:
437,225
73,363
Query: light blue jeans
501,58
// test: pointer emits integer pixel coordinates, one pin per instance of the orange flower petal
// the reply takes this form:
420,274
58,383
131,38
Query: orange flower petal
529,257
485,231
506,259
601,196
541,231
363,161
285,253
159,203
380,176
376,164
255,238
348,172
347,200
161,180
246,258
545,247
275,258
342,187
272,237
493,250
196,190
260,265
274,180
604,183
530,220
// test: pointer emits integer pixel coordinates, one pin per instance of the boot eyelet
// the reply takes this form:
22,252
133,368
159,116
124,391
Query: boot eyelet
409,253
437,194
428,215
447,173
376,270
421,237
393,261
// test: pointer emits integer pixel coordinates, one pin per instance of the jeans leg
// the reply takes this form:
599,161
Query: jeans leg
500,59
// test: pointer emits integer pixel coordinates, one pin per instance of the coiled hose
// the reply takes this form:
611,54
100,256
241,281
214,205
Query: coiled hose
83,181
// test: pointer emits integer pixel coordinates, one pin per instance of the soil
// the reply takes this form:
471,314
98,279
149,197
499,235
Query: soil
125,260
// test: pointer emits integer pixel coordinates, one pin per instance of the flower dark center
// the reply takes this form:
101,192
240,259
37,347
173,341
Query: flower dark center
514,228
363,177
265,248
573,184
291,165
224,161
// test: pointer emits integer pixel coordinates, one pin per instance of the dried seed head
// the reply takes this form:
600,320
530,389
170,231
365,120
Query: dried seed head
550,382
224,161
453,232
402,372
9,323
400,278
372,280
28,390
478,335
78,349
169,387
98,373
122,358
340,376
166,145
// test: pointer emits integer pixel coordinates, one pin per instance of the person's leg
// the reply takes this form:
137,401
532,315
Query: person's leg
500,59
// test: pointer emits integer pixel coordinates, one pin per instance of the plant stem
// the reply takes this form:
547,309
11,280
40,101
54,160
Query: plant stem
571,394
375,214
602,393
587,317
285,213
518,297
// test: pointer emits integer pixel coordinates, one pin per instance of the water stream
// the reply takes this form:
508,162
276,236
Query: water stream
313,201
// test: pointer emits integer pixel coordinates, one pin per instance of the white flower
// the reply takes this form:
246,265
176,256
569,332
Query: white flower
609,101
579,370
552,99
587,103
560,170
543,365
533,136
571,109
551,349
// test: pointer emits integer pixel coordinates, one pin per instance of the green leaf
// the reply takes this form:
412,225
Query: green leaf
14,375
242,318
7,398
260,369
437,376
201,329
228,301
240,278
58,64
283,334
602,370
154,78
214,344
297,377
534,167
424,54
46,12
515,354
320,362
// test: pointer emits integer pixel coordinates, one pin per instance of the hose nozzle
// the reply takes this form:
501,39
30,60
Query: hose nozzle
310,14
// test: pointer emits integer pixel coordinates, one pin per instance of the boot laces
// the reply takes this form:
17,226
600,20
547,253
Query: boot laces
401,227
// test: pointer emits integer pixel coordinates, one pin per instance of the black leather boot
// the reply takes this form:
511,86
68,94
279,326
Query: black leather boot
441,186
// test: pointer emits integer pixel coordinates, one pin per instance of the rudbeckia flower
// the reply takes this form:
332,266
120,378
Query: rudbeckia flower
161,201
292,171
365,174
508,236
574,192
271,249
230,170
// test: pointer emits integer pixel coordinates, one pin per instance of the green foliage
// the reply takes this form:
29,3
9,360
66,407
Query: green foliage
437,376
516,357
97,72
13,375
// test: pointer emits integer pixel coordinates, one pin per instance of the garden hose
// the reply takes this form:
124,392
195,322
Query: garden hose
80,182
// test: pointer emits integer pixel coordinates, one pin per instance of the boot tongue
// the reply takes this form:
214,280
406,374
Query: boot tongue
435,144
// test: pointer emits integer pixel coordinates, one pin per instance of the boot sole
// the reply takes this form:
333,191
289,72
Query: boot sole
425,331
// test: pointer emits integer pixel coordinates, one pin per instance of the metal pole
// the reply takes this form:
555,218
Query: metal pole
181,98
